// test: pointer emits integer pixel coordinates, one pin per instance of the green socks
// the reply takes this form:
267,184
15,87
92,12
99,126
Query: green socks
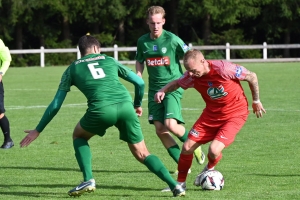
174,152
84,157
184,137
155,165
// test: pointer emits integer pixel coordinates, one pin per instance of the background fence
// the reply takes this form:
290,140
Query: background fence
226,47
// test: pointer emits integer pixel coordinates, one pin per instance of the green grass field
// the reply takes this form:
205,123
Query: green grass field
263,162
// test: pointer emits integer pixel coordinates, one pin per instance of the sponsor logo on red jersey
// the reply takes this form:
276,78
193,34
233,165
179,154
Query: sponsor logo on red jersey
216,92
194,133
238,71
159,61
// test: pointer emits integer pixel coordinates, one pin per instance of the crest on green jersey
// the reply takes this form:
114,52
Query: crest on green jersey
150,117
164,50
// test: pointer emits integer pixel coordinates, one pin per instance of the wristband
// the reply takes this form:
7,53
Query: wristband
257,101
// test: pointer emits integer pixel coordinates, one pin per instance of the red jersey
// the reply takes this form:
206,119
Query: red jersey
220,89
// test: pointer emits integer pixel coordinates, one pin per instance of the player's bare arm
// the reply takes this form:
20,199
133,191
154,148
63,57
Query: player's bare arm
139,67
170,87
252,80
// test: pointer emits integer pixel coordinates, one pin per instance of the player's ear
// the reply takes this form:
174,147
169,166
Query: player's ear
163,21
96,49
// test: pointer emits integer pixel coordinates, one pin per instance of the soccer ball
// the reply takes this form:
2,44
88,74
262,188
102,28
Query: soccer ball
211,180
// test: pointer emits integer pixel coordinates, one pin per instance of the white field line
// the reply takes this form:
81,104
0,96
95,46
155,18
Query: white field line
33,89
271,109
84,105
72,90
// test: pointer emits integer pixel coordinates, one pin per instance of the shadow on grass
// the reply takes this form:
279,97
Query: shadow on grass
45,195
274,175
115,188
33,194
68,187
74,169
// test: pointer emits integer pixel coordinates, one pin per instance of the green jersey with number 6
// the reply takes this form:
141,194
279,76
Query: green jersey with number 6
97,77
162,57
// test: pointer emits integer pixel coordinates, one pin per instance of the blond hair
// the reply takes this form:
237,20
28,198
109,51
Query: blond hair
192,54
156,10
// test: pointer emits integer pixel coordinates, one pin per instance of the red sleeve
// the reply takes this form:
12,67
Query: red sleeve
186,81
230,70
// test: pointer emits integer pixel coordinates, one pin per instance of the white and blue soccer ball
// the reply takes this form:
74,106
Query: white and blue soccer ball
211,180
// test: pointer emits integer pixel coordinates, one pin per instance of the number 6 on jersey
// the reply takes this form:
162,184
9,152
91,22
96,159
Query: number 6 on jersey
96,72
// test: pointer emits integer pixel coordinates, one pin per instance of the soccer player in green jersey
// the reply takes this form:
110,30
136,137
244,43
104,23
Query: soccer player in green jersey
109,104
5,59
161,51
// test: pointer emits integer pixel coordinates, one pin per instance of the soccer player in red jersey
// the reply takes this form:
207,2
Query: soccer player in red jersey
161,51
226,109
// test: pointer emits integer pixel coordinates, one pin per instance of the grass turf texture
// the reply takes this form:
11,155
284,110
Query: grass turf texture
262,163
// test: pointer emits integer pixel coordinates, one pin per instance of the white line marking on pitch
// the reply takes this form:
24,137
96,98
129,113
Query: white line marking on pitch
84,105
72,90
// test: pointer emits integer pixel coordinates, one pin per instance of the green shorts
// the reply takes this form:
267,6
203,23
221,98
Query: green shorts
120,115
169,108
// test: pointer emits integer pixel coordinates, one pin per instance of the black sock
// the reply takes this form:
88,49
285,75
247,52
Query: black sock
4,124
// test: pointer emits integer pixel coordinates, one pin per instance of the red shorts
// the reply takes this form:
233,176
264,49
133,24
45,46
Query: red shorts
206,130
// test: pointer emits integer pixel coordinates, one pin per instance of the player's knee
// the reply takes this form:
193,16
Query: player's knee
171,125
215,149
213,153
187,148
172,129
141,156
79,132
161,130
139,151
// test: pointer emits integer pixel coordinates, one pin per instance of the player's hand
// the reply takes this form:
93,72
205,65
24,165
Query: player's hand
258,109
159,96
30,137
139,111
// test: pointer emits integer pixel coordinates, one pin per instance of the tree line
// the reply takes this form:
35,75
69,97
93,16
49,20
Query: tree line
30,24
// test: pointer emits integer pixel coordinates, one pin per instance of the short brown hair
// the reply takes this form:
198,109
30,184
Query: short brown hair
191,54
86,42
156,10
